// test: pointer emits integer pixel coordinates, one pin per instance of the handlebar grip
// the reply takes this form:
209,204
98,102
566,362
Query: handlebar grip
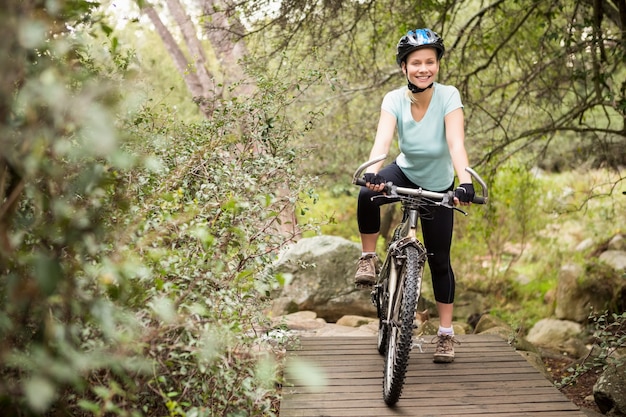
479,200
360,181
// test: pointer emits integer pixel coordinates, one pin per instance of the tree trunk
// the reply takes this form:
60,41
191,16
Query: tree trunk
194,47
225,32
196,84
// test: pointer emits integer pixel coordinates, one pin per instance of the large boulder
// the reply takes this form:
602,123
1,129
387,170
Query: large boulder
609,391
614,258
320,272
594,288
558,335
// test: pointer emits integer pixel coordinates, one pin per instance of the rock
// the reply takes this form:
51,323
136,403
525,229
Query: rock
302,320
610,390
430,328
488,321
355,321
571,302
617,242
553,334
614,258
370,328
589,412
505,332
322,271
523,345
333,330
581,291
574,348
584,245
489,324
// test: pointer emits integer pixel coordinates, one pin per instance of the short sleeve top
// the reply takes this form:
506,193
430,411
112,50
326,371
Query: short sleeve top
424,155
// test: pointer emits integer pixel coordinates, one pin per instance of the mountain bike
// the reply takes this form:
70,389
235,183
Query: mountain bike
398,287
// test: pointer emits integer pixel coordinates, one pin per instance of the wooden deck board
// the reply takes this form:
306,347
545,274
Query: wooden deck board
487,378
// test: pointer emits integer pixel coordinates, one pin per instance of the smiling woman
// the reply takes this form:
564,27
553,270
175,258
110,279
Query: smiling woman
429,119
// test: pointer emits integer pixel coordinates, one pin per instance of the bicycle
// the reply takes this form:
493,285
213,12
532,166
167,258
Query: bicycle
398,288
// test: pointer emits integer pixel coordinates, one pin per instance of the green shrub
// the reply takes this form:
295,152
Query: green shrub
133,264
609,337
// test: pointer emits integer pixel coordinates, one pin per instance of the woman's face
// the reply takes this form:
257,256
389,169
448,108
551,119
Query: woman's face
421,67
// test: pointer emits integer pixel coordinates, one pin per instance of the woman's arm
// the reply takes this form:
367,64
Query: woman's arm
382,144
384,137
455,136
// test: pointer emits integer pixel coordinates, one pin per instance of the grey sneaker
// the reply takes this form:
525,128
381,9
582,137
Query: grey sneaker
444,352
366,270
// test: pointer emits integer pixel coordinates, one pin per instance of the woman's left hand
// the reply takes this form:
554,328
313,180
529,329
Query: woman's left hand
464,194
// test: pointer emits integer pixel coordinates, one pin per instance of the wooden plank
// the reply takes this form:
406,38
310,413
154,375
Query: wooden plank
487,378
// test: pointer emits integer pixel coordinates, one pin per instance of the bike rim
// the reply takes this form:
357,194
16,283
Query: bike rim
391,358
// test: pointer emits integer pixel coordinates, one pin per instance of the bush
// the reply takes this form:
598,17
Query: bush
133,250
608,338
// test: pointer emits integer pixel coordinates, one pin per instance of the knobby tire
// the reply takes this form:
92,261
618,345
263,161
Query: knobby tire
400,334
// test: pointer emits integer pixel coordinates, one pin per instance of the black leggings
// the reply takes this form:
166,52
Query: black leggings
437,224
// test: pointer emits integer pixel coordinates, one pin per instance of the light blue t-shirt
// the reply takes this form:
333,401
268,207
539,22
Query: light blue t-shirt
425,158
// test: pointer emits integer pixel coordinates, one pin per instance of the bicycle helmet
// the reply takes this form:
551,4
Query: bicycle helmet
417,39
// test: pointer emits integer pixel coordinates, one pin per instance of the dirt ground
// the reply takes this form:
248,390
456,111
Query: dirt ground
580,392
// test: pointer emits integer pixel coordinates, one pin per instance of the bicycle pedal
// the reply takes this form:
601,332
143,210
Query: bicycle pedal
363,286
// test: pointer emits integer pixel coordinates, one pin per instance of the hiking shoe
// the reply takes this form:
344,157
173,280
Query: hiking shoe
444,352
366,270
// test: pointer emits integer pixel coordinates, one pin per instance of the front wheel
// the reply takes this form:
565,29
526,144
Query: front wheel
400,330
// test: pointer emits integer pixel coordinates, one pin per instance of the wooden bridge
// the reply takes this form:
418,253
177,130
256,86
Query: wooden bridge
487,378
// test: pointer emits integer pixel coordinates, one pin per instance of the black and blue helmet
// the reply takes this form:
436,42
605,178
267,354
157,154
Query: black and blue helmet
418,39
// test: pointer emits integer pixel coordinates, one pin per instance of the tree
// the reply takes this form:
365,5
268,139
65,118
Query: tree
535,76
206,86
197,78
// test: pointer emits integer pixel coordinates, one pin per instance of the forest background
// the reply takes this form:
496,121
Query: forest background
157,157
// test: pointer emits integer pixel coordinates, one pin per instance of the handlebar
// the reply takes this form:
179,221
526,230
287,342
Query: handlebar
419,192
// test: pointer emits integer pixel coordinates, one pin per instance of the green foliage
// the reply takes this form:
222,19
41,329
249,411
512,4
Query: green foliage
503,228
60,194
134,249
541,79
334,211
209,218
609,337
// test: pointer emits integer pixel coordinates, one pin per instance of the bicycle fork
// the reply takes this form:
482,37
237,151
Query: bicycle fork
409,232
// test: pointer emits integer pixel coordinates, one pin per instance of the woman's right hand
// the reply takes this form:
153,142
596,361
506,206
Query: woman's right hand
374,181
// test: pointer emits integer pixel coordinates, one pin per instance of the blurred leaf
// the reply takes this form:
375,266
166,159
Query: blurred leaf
307,374
48,273
40,393
164,308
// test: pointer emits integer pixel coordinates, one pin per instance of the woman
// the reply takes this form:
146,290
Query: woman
429,119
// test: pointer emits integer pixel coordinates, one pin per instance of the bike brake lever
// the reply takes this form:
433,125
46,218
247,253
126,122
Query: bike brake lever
388,192
459,210
448,201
